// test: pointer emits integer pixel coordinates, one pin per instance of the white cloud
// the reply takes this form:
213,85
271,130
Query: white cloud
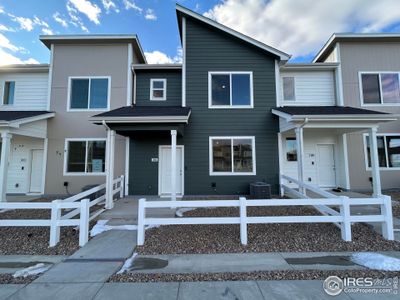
158,57
91,10
132,5
25,23
5,28
150,15
7,59
110,5
47,31
74,19
301,27
2,10
5,43
60,20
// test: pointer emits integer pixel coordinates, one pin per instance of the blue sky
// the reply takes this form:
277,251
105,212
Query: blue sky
280,23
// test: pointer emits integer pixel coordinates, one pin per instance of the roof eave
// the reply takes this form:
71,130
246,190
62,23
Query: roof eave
151,119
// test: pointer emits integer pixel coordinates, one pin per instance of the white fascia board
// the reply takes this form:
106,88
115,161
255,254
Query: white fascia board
282,55
156,66
311,66
174,119
282,114
371,117
33,119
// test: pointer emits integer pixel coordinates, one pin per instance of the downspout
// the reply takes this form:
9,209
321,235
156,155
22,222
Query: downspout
134,86
108,192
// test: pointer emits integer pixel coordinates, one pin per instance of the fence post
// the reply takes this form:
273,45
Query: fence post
281,190
122,182
54,227
84,223
141,218
386,211
345,225
243,220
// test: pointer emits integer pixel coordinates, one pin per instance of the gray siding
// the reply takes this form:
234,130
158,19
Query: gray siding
211,50
174,87
355,58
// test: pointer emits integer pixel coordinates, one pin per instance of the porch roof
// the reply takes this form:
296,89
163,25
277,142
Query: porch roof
14,117
144,114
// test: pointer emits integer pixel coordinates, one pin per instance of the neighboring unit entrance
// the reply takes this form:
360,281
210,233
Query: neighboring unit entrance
164,171
326,165
36,171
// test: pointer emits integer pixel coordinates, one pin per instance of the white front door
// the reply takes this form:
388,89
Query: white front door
164,170
326,165
36,171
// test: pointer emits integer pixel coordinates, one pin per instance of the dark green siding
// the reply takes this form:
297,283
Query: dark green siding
207,50
174,87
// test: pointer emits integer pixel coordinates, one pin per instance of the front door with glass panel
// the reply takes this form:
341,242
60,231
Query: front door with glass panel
165,171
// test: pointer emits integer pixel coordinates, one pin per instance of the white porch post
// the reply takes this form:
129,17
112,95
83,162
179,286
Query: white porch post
173,165
376,178
110,145
300,156
5,152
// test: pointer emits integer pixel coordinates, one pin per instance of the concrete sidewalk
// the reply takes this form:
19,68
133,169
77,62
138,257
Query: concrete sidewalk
238,290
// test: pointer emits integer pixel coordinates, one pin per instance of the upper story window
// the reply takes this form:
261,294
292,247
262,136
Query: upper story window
288,85
89,93
232,156
85,156
380,88
158,89
388,151
8,94
230,89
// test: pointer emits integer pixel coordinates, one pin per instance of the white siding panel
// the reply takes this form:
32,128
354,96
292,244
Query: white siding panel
30,90
312,88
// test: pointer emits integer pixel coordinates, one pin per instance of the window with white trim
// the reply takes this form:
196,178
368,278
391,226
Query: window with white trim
291,149
232,155
380,88
288,85
158,89
388,151
8,93
85,156
89,93
230,89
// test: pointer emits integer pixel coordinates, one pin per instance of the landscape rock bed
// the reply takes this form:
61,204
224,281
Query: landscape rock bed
192,239
9,279
269,275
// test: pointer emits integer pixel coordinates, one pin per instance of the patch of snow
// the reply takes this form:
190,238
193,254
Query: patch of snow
33,270
376,261
179,212
101,226
152,226
127,264
5,210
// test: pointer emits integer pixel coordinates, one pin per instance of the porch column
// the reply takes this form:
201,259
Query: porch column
173,165
376,178
5,152
110,145
300,156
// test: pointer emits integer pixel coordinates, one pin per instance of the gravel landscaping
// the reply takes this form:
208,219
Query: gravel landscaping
270,275
191,239
9,279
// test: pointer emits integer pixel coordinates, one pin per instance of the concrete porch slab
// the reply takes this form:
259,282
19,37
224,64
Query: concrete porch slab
139,291
209,263
50,291
238,290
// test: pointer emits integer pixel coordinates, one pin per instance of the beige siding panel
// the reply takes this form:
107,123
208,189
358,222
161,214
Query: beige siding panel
312,87
30,90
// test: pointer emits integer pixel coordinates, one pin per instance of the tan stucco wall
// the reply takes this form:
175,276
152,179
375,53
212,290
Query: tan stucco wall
355,58
82,60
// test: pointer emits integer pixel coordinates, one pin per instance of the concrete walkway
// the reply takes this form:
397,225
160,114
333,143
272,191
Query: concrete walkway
235,290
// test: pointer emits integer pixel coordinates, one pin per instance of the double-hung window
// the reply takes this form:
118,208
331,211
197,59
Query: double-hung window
158,89
230,89
380,88
8,93
232,155
85,156
89,93
388,151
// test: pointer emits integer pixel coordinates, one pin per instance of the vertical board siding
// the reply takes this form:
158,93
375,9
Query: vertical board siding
311,88
30,90
174,87
207,50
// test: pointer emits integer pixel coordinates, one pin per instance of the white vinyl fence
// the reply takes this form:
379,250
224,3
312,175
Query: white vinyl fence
77,205
342,218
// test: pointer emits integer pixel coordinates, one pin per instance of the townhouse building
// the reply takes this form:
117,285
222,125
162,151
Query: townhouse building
232,113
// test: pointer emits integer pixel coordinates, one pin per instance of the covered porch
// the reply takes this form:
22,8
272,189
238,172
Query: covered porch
313,144
23,152
158,127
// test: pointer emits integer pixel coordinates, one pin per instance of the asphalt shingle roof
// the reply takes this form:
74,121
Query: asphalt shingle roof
146,111
326,110
10,115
